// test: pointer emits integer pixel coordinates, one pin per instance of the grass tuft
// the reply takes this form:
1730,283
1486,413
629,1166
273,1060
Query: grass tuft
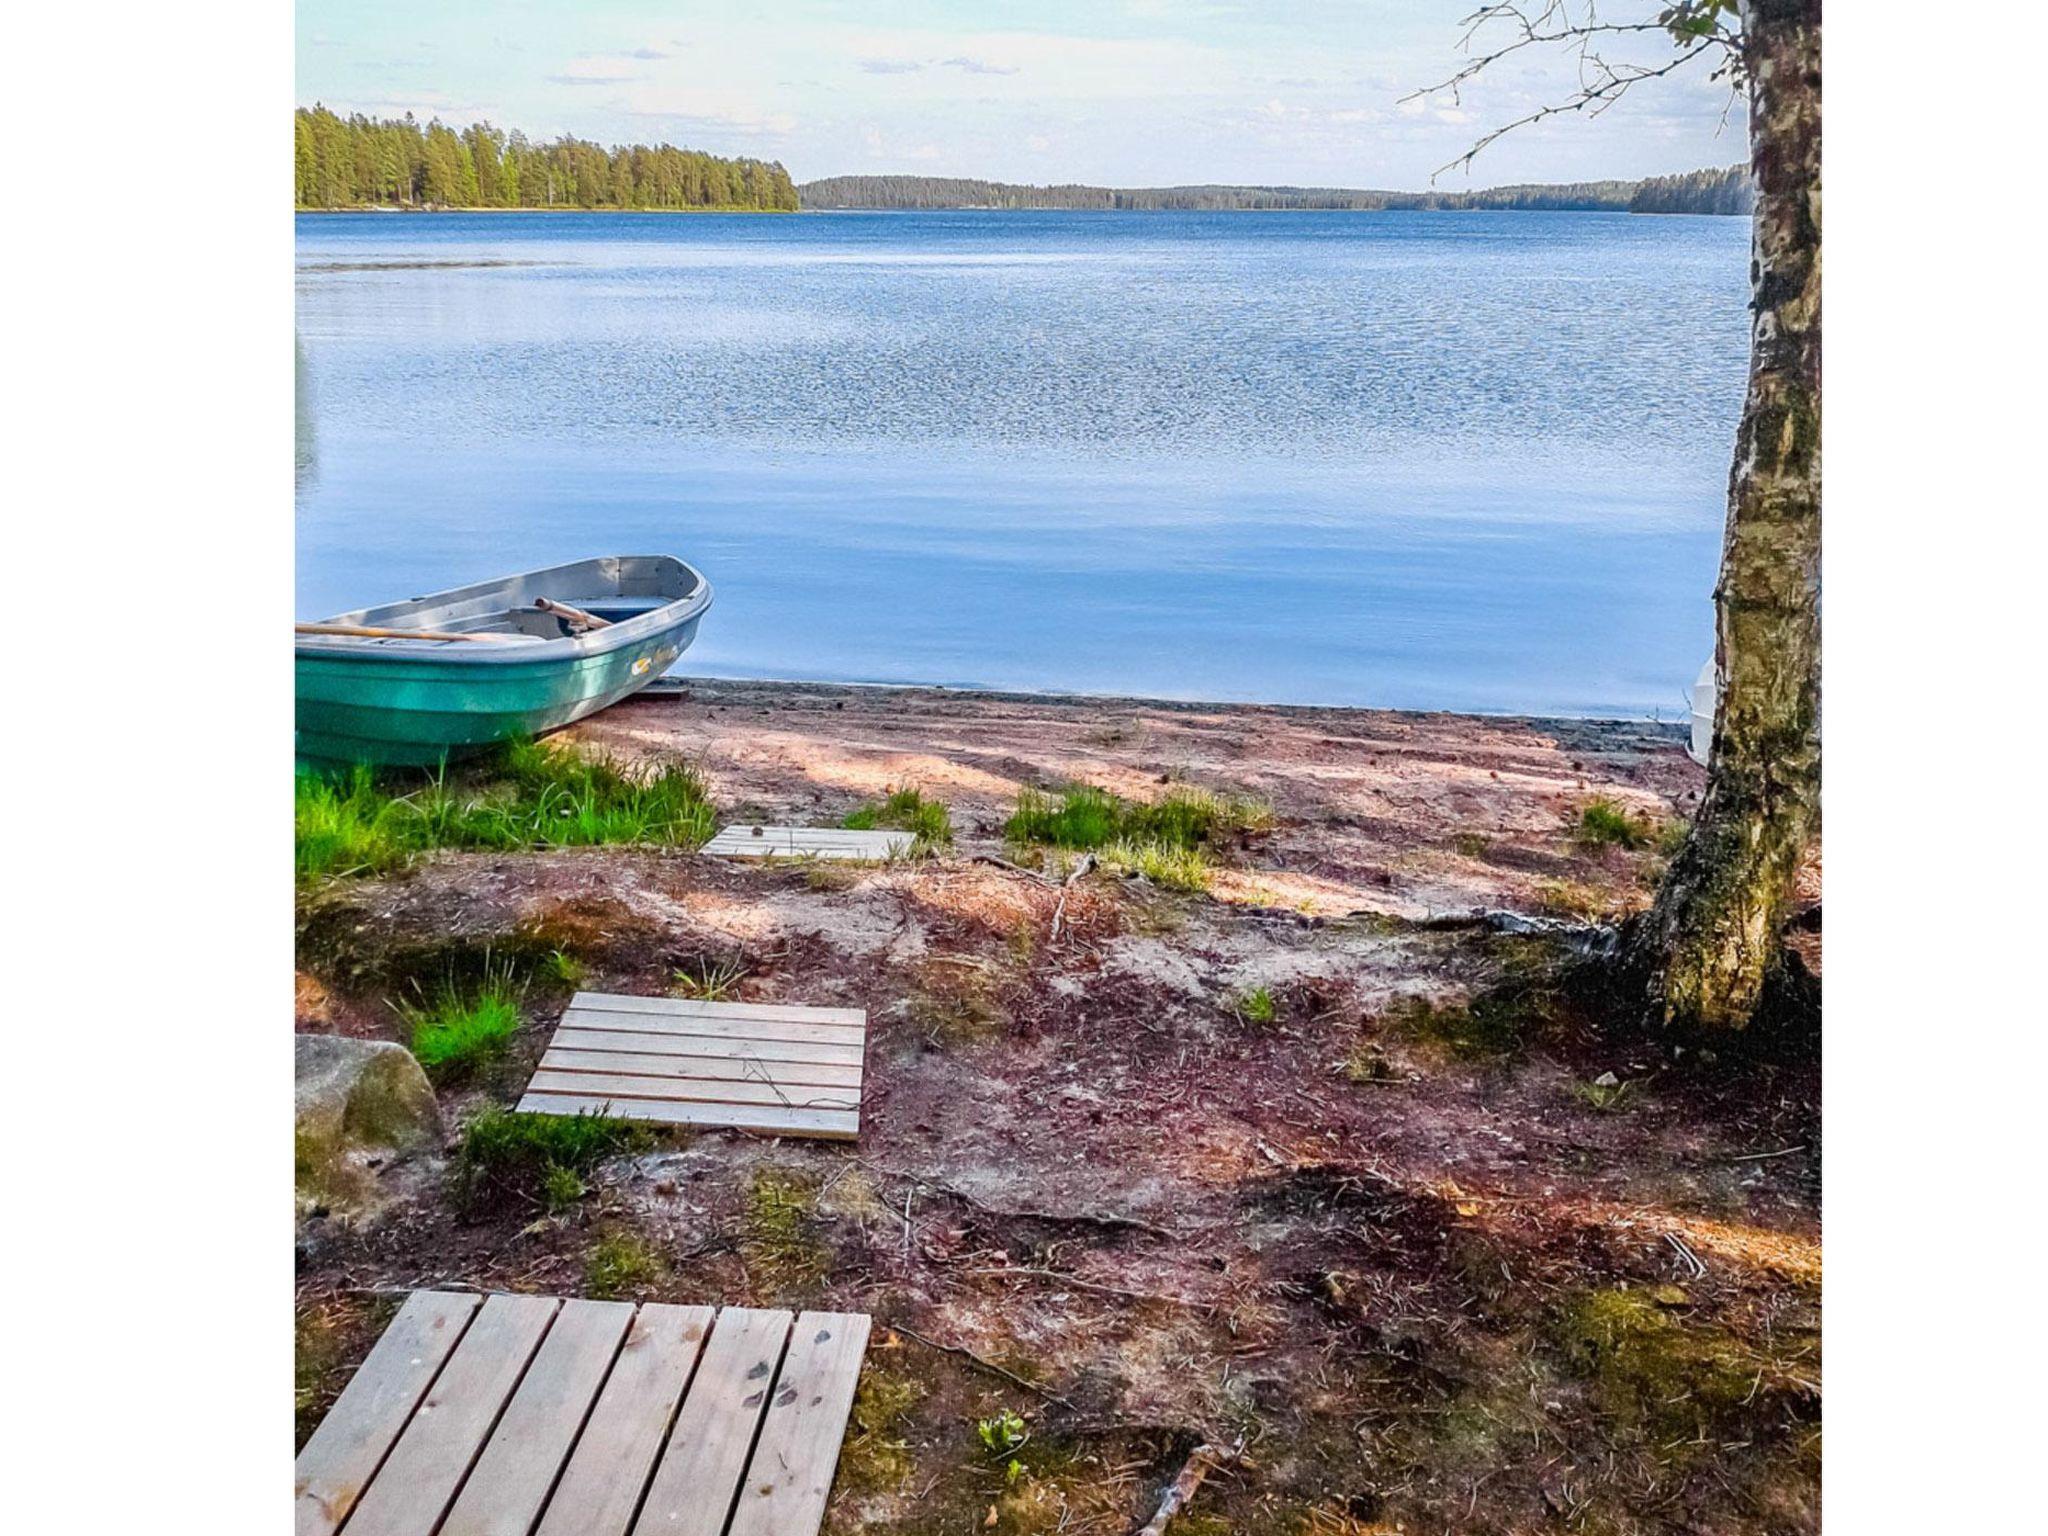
712,981
530,795
537,1159
907,810
1086,817
1257,1006
458,1030
1605,823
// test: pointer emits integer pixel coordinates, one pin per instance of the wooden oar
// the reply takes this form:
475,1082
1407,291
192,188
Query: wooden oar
575,616
367,632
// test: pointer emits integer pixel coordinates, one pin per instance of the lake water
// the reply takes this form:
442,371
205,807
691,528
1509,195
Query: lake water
1461,461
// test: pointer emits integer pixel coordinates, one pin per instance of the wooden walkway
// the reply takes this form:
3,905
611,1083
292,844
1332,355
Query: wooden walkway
534,1416
781,1069
755,842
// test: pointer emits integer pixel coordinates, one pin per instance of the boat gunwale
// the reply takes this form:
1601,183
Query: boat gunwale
599,642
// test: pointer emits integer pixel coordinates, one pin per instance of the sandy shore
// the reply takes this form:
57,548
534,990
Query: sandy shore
1435,1270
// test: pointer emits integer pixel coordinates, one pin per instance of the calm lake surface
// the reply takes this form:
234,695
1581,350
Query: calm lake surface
1461,461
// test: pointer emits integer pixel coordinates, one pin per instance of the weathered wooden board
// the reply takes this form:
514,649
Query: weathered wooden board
760,842
781,1068
351,1443
526,1414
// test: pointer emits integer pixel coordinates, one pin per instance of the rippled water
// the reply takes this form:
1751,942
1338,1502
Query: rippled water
1467,461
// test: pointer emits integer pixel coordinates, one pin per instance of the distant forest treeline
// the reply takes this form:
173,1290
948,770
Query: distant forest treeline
1722,191
356,162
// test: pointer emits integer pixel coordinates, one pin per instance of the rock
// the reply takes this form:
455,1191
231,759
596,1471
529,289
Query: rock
1606,1080
358,1106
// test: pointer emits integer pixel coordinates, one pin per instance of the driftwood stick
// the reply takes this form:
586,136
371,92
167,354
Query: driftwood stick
371,632
576,616
1059,912
1182,1489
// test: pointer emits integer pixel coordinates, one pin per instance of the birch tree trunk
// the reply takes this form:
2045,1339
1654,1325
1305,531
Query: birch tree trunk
1714,934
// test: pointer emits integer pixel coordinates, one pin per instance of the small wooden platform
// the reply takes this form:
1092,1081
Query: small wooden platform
535,1416
781,1069
757,842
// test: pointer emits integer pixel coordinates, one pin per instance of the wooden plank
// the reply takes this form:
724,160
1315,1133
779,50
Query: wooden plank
691,1007
761,1032
830,1124
572,1058
433,1456
747,842
510,1484
582,1038
601,1487
790,1476
344,1453
699,1476
692,1090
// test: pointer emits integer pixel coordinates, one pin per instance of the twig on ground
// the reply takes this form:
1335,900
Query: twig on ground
986,1364
1182,1489
1022,1271
1059,912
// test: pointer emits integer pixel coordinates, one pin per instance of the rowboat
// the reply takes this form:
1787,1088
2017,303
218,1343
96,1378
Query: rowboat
435,677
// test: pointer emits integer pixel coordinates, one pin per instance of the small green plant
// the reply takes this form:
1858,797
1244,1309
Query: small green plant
709,981
907,810
1605,823
561,1188
508,1155
1257,1006
1003,1435
621,1263
1606,1092
458,1031
564,970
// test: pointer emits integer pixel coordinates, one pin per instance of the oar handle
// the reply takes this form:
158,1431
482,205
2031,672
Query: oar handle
575,616
371,632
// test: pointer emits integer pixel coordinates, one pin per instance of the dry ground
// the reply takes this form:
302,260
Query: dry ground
1426,1265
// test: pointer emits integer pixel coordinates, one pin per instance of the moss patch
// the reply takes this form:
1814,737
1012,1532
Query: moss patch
779,1238
621,1264
1663,1376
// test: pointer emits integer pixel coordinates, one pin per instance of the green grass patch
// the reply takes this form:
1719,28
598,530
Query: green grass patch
1086,817
528,795
907,810
622,1263
1606,823
459,1030
536,1159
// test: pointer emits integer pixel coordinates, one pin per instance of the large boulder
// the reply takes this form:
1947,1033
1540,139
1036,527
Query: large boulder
360,1106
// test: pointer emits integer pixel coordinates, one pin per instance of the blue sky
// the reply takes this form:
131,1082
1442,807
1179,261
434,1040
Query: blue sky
1122,92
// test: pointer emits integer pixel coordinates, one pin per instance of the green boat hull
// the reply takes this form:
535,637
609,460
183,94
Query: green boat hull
421,704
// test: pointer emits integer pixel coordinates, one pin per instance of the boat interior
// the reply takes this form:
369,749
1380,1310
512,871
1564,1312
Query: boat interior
610,590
